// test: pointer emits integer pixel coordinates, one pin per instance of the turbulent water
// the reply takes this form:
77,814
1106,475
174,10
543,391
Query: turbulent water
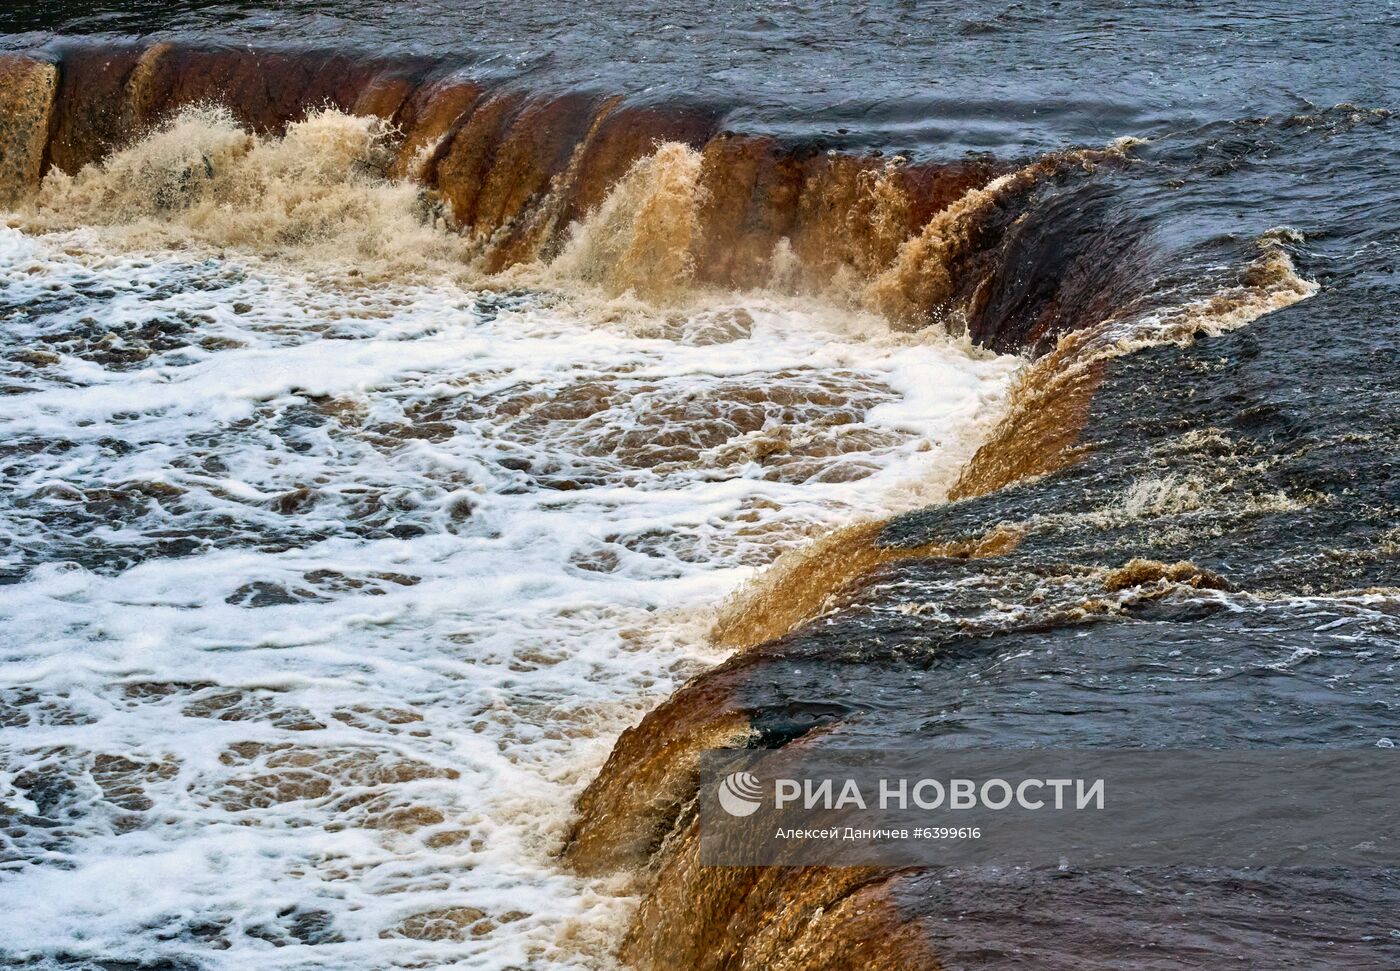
327,597
417,449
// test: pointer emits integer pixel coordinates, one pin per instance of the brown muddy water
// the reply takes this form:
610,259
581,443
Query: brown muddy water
425,429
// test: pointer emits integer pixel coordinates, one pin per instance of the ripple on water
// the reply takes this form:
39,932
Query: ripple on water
323,604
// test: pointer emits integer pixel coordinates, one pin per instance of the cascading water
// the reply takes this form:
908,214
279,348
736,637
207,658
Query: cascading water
414,459
350,579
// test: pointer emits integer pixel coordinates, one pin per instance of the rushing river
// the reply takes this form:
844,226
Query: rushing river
401,406
328,598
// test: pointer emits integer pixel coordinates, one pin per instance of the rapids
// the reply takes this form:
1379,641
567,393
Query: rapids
348,585
418,447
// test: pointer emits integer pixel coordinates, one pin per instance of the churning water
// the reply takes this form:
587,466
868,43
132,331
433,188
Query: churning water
386,430
328,596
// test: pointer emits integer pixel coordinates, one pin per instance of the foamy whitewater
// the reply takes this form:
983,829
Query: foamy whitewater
330,599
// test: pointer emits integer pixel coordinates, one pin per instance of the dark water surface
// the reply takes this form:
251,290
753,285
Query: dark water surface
999,77
1264,458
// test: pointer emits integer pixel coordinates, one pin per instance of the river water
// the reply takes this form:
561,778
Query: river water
337,557
328,596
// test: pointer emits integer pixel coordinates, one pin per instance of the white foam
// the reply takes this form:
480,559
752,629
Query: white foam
504,648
